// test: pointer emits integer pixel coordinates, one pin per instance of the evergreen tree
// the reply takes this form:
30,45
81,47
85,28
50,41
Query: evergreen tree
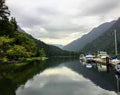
14,22
40,53
4,11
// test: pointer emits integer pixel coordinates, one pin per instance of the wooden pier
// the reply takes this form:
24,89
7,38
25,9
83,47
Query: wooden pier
103,61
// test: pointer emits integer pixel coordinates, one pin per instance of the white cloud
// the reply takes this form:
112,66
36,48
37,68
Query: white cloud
55,82
59,19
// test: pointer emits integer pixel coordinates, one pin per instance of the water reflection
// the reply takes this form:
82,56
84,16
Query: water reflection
56,77
107,72
98,76
61,80
12,76
101,67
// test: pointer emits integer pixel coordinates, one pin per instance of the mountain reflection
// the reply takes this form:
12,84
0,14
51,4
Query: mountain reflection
61,80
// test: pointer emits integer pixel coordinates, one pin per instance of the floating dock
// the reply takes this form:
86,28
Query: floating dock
103,61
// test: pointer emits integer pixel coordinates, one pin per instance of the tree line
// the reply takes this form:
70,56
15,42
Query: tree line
15,44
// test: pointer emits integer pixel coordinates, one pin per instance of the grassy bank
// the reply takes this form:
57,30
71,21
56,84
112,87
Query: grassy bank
22,63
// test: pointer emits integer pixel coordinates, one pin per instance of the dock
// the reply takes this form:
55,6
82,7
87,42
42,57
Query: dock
103,61
98,60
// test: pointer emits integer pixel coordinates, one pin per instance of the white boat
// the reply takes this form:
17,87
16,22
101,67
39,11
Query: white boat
82,58
115,61
89,58
117,68
88,65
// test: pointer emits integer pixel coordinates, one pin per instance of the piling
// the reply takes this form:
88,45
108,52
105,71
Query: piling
107,64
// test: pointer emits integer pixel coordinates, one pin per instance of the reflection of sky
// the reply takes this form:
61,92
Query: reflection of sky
61,81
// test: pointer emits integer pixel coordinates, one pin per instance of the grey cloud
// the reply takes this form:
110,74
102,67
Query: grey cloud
103,7
58,32
27,19
47,11
52,35
70,29
58,19
56,35
30,21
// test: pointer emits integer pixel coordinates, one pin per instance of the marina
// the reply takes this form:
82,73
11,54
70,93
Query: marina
61,77
59,47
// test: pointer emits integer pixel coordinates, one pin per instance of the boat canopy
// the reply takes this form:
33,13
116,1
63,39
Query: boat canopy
89,56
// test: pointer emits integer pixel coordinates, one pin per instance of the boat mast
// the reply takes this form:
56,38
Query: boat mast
115,44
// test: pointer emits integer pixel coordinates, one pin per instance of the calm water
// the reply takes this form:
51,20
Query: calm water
57,77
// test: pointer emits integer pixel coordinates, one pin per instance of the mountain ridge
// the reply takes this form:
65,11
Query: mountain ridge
105,42
87,38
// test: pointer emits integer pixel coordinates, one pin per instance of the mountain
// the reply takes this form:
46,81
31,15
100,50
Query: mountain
20,29
50,50
16,44
78,44
105,42
58,45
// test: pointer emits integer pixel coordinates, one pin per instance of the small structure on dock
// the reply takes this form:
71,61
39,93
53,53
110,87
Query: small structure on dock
102,55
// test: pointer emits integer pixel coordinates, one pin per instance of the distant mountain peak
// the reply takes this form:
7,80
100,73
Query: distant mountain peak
58,45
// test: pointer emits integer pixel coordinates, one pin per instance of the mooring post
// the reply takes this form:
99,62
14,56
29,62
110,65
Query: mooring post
107,63
117,85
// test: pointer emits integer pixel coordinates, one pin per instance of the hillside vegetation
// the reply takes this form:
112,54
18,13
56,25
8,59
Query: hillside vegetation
80,43
105,42
16,44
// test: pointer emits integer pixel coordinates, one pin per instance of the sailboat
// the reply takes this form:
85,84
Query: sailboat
115,60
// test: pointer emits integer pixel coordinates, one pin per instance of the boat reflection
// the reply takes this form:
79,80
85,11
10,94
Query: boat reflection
100,67
103,68
53,81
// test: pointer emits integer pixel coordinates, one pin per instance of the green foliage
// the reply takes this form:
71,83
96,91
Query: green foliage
15,45
18,51
5,40
7,28
14,22
5,43
25,41
24,48
53,50
41,53
5,59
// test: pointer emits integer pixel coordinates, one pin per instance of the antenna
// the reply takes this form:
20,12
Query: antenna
115,43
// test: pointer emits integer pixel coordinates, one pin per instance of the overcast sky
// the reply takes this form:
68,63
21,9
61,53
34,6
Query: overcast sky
62,21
